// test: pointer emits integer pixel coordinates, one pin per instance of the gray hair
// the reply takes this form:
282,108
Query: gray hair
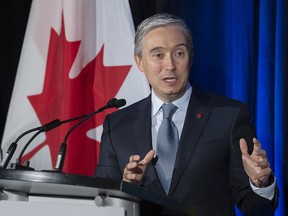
161,20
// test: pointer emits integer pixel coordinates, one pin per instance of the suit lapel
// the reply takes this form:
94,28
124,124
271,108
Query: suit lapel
195,121
142,132
142,127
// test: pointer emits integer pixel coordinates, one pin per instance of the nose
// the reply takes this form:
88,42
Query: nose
170,63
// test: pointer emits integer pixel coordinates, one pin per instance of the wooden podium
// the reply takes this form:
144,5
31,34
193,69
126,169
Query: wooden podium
51,193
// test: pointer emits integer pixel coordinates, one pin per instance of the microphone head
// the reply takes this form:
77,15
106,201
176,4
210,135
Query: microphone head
116,103
120,103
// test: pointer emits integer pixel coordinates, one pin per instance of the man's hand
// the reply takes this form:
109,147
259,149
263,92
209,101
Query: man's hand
135,169
256,165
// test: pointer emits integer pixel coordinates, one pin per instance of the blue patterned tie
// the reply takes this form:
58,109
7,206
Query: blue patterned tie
167,144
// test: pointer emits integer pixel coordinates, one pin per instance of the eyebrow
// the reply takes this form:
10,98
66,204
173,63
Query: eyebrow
160,48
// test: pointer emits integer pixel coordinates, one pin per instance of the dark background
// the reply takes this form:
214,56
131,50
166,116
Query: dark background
14,16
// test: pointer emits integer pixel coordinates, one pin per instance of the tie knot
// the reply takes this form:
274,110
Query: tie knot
168,110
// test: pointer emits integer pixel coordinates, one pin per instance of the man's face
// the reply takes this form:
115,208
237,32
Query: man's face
165,62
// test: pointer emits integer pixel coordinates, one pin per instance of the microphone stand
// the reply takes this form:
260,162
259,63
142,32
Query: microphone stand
45,128
4,163
62,150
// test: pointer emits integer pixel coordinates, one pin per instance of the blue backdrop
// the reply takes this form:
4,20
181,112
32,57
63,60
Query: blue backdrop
241,52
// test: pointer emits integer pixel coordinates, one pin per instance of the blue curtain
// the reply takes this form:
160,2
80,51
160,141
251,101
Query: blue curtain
241,52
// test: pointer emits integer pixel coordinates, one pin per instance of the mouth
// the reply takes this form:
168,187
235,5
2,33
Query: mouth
170,79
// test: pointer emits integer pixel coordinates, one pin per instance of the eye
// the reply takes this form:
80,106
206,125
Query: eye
158,55
180,54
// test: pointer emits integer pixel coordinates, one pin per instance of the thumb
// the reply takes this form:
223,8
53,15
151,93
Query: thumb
243,146
148,157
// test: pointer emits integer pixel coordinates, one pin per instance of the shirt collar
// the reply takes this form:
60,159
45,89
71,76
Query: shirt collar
181,103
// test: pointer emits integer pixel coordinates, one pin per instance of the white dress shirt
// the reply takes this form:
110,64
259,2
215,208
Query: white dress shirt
178,117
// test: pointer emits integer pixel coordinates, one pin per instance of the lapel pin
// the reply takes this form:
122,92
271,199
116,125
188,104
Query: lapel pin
199,115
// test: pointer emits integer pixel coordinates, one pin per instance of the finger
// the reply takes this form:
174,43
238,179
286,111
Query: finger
262,173
131,165
132,173
134,158
262,178
148,157
263,164
243,146
260,153
257,144
130,177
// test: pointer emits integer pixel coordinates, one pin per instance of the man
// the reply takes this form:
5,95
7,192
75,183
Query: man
218,160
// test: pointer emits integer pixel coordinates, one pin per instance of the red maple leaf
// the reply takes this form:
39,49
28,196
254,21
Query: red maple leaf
63,98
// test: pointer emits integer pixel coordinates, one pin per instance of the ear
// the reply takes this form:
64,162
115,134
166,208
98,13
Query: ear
138,61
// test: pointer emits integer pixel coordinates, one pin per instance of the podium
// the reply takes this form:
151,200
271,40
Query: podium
53,193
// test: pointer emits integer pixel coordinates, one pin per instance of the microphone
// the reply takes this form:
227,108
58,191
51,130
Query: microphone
4,163
112,103
45,128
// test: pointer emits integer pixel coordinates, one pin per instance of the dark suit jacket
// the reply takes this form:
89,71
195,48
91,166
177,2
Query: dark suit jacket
208,172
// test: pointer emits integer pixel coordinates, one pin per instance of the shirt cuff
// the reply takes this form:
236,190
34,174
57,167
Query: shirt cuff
266,192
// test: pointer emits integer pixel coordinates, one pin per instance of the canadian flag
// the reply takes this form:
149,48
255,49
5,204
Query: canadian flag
76,56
